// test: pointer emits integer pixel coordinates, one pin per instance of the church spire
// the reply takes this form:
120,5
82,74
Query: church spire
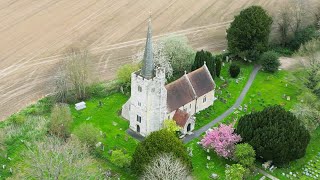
147,70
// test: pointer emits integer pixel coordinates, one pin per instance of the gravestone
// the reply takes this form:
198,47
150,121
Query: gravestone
288,98
79,106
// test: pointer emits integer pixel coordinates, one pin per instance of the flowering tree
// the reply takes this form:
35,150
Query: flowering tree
173,53
222,140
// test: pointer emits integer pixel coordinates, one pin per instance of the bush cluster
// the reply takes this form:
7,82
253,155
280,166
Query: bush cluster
270,61
234,70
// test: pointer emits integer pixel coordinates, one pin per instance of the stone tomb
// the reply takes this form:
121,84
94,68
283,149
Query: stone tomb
81,105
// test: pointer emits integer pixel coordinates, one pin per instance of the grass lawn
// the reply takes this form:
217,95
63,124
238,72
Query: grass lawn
273,89
201,170
230,93
107,119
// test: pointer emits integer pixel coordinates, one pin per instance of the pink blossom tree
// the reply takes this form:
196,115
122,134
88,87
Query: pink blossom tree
222,139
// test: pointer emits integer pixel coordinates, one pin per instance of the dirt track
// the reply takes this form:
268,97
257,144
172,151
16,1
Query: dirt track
33,34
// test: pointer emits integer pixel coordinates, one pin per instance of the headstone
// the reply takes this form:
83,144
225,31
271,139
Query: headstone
98,144
190,153
288,98
208,158
79,106
121,89
114,123
262,178
214,176
237,81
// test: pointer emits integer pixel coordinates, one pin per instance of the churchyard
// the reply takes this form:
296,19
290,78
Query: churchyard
272,128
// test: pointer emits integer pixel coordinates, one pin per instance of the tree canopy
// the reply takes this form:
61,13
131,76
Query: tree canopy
203,57
156,143
248,34
275,134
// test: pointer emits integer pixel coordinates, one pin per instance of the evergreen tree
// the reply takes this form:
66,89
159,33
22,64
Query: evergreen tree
218,65
201,58
275,134
211,64
248,34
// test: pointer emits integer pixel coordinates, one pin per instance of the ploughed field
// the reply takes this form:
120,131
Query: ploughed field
34,33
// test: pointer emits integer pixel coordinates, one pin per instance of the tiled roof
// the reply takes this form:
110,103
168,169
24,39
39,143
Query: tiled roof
179,93
189,87
201,81
181,117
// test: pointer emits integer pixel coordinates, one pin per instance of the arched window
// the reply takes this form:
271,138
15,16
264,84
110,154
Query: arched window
138,128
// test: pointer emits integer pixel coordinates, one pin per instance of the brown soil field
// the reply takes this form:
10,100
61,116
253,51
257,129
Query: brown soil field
34,33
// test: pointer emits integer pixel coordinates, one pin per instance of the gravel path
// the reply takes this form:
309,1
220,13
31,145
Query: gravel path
198,132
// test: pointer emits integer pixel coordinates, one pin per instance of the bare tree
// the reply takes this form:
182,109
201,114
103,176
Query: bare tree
61,87
56,159
299,13
75,75
284,23
166,167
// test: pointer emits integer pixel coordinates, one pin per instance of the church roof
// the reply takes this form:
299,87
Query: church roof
201,81
181,117
179,93
189,87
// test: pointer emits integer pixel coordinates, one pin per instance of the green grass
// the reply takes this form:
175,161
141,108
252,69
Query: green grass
234,89
104,118
199,162
273,89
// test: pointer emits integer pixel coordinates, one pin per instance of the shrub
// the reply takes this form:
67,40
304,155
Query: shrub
235,172
120,159
124,73
17,119
171,125
88,134
270,61
60,121
302,36
234,70
275,134
248,34
245,154
309,116
156,143
53,158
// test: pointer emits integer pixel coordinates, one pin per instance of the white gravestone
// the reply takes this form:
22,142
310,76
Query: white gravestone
80,106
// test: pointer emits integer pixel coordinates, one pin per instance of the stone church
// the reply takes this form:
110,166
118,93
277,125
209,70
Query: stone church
152,100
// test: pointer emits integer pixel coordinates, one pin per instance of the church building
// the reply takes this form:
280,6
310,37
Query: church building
152,100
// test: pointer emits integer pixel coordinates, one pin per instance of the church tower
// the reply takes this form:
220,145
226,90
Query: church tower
148,101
